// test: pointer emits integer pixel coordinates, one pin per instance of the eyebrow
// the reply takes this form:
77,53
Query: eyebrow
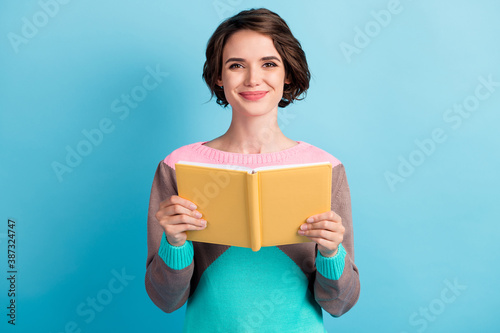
263,58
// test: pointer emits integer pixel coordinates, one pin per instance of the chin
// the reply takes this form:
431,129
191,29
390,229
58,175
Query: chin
256,109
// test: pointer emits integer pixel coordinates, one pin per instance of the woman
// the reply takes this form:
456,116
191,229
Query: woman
256,65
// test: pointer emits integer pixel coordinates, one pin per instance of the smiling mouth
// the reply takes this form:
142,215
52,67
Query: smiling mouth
253,95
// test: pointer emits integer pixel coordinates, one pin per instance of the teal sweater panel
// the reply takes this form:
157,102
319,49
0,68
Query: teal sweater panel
247,291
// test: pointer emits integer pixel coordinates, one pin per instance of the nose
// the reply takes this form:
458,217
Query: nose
253,76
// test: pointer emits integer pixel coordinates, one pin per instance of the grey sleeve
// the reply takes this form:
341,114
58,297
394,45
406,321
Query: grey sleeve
167,287
339,296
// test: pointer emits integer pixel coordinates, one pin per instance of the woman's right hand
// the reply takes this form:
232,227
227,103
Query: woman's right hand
176,215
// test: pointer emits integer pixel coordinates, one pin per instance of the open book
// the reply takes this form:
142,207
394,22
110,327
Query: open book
257,207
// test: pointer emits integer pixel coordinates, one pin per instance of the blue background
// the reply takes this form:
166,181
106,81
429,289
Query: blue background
367,109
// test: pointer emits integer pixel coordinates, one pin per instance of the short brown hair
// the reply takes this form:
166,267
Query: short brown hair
266,22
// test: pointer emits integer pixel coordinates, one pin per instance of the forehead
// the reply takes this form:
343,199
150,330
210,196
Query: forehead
250,43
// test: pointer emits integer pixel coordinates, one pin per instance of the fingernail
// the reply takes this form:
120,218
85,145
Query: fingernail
301,232
192,206
197,214
203,222
303,227
310,219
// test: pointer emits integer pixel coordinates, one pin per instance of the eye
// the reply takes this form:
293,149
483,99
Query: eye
270,63
233,65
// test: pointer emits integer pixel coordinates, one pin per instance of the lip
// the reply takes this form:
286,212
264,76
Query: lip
253,95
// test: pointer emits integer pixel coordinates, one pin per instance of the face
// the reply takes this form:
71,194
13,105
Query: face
253,73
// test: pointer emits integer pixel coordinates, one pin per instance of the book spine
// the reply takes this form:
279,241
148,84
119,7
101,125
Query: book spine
254,211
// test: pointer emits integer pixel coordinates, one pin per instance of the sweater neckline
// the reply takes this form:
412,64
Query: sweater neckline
221,156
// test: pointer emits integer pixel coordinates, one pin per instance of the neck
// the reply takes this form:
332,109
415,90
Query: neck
254,134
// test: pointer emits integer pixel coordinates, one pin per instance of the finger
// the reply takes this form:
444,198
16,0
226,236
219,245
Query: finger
177,200
175,229
186,219
330,215
324,234
327,234
181,219
324,224
178,210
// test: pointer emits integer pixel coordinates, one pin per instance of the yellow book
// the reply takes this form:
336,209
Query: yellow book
257,207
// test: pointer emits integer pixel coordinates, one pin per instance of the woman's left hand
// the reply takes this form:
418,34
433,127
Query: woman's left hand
326,230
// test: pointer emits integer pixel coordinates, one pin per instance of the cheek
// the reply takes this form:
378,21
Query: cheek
231,80
279,79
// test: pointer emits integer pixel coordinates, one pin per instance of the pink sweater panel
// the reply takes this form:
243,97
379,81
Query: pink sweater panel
301,153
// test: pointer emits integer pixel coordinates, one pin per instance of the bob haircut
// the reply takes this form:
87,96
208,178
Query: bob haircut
266,22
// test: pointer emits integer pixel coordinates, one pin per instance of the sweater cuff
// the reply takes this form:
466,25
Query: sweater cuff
331,267
176,257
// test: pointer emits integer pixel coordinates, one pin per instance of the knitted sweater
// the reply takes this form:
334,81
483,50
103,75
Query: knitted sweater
233,289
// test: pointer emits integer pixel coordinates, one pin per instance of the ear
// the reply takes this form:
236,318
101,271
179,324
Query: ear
288,80
219,82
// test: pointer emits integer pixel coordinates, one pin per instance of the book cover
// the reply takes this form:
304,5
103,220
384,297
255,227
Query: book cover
257,207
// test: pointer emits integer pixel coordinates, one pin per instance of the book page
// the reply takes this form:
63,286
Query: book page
221,196
288,197
247,169
272,167
218,166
